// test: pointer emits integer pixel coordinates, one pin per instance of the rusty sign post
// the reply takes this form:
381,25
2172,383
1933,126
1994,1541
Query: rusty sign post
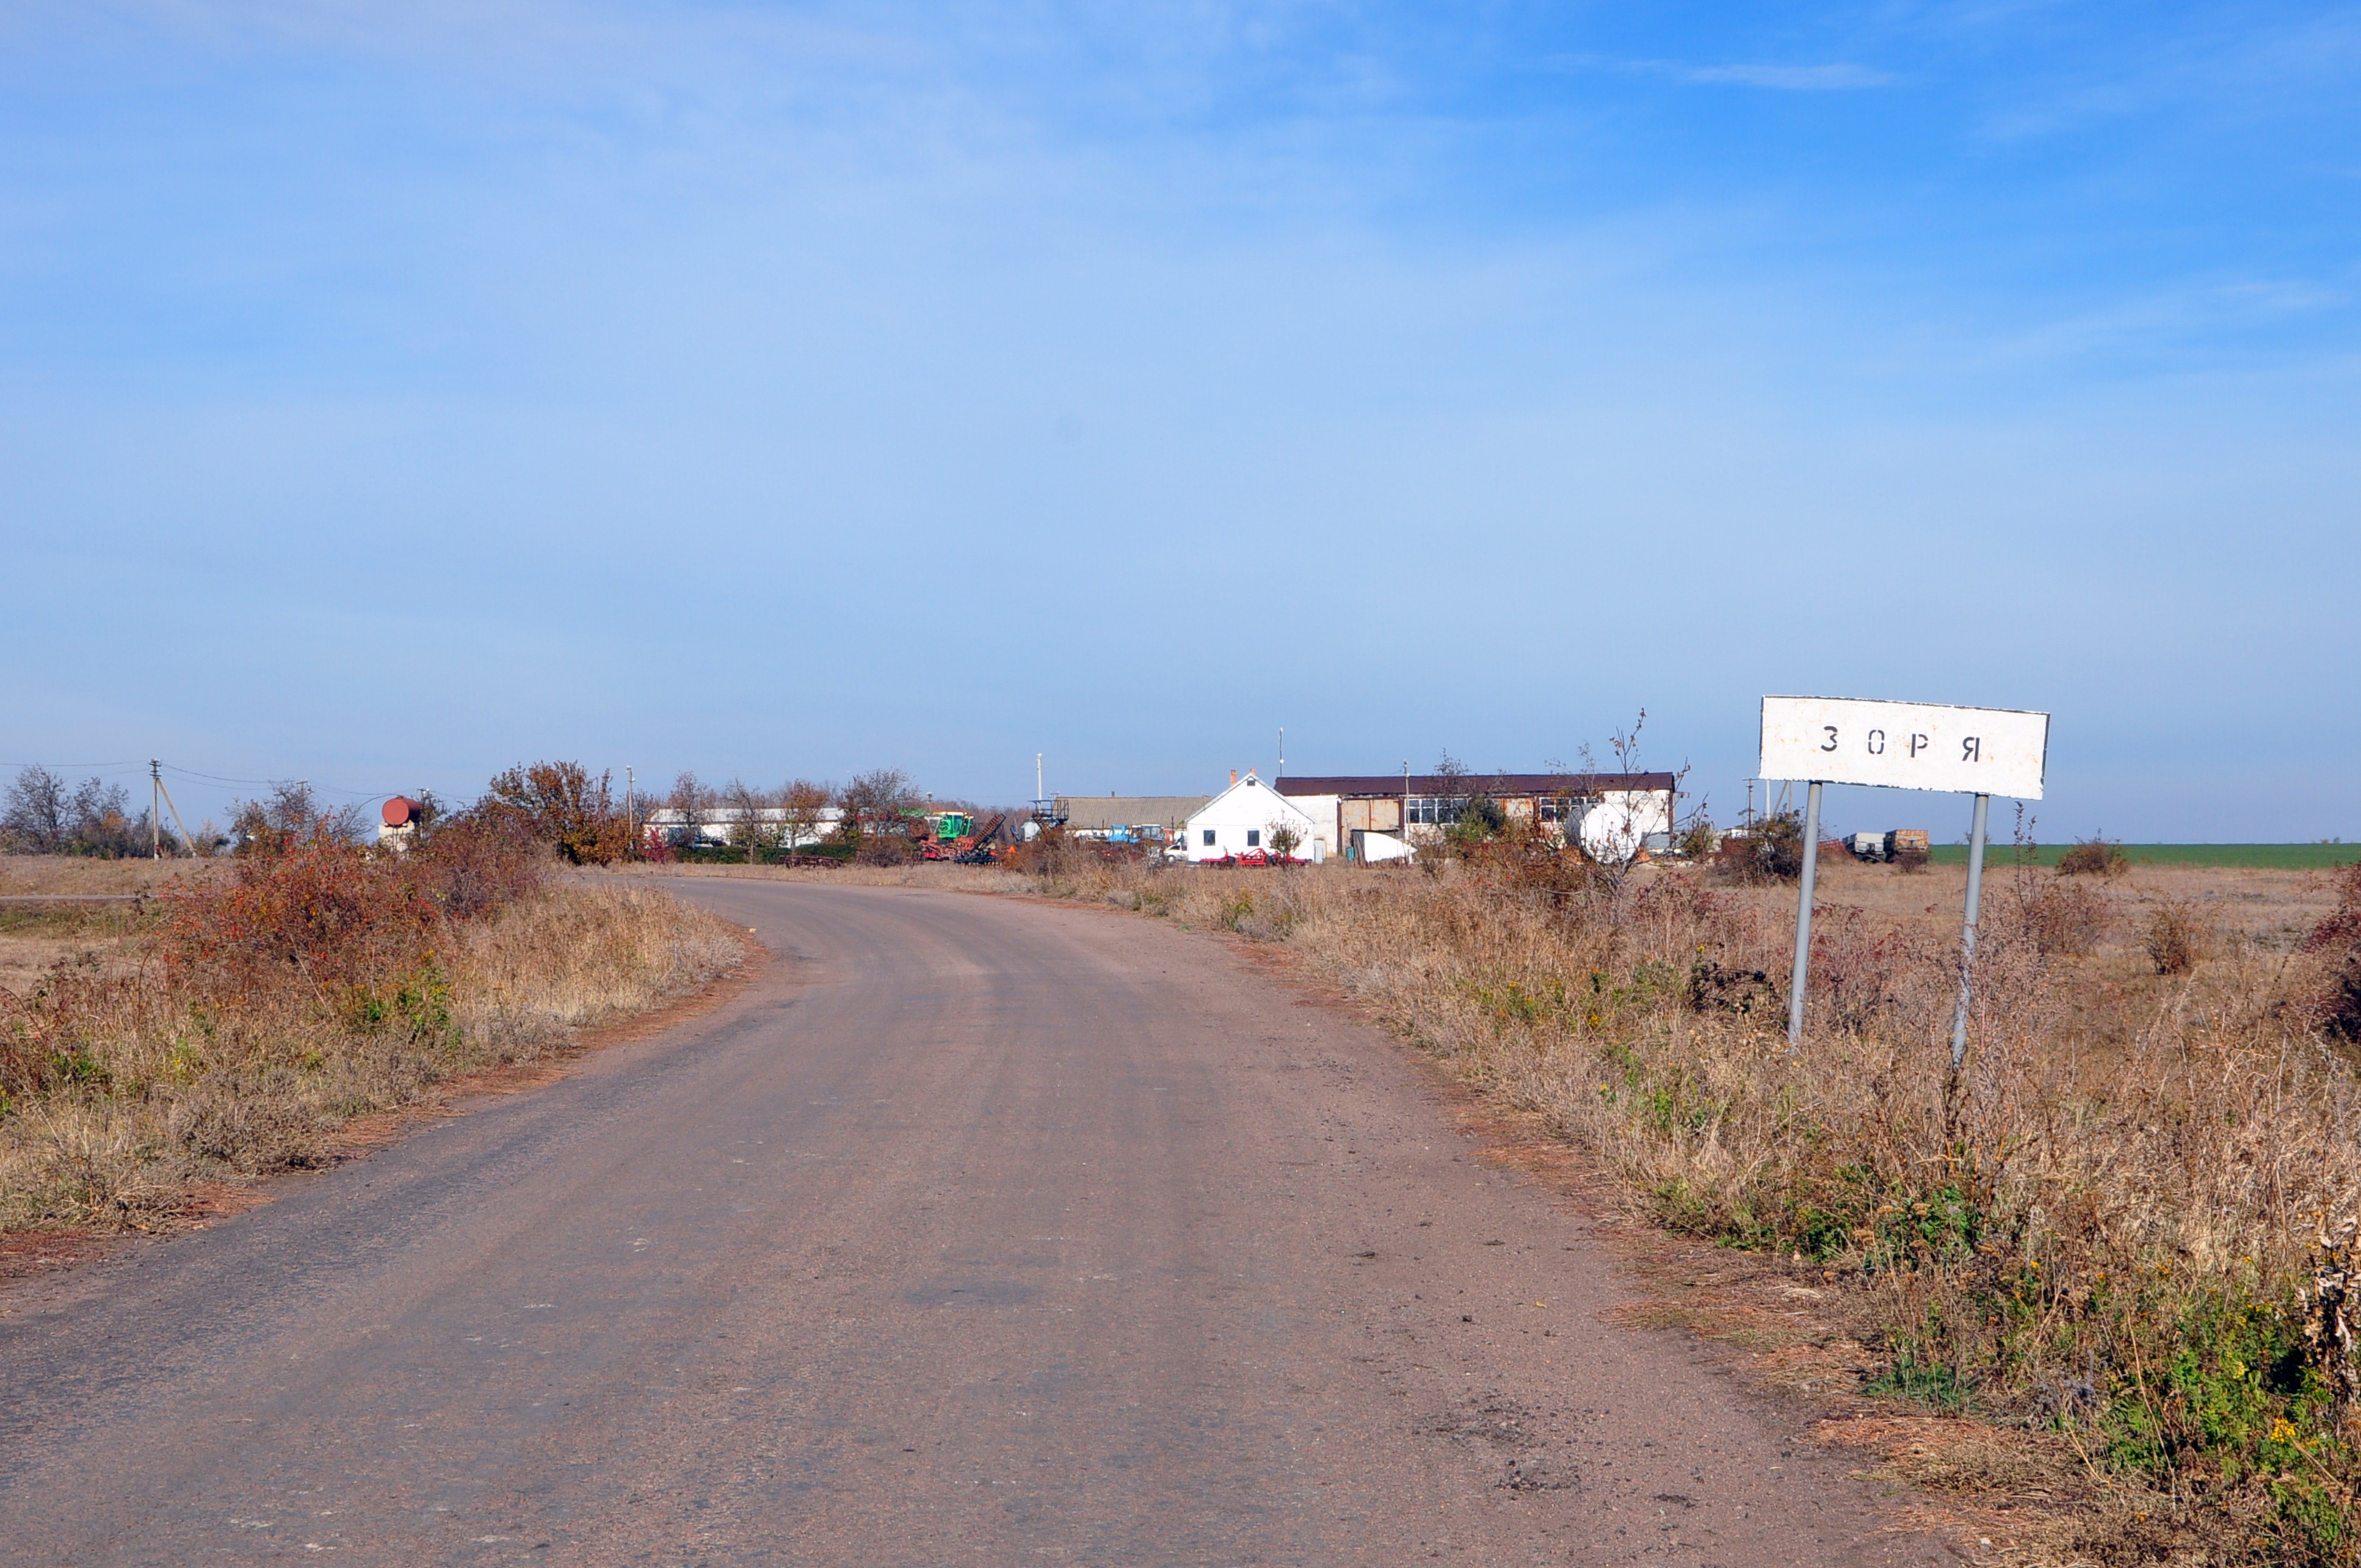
1981,752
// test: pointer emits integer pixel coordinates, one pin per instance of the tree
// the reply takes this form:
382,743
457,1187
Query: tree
562,806
1615,837
877,808
692,800
103,824
36,818
801,802
749,805
291,811
881,793
1282,841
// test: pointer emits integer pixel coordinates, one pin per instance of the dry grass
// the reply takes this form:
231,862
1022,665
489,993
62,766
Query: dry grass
154,1084
2097,1232
31,875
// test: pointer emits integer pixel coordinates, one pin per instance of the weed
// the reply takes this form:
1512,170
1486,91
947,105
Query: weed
2174,938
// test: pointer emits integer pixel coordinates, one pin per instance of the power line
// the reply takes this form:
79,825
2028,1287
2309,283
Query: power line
269,783
131,766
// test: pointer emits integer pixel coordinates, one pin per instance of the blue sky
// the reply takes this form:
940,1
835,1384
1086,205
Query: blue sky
387,394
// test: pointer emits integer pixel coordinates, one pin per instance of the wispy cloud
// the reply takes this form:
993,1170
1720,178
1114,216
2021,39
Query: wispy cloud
1840,77
1836,76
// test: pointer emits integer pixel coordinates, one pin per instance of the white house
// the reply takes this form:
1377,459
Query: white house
1240,820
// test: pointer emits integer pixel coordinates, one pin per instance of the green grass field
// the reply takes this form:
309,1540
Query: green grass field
2267,857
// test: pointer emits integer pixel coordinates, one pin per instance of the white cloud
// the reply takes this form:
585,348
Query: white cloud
1840,77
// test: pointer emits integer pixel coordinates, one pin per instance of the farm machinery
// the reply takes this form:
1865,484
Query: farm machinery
966,840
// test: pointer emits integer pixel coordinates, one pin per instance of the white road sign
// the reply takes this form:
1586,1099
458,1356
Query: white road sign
1906,745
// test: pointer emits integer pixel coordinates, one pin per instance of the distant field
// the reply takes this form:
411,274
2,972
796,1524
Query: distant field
2270,857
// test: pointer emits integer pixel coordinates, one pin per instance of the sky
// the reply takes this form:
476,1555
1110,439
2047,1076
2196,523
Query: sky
389,394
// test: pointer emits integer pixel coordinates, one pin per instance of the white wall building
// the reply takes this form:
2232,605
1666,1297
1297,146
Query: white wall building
1240,820
718,825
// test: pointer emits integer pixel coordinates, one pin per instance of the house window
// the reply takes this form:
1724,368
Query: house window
1254,837
1209,838
1436,810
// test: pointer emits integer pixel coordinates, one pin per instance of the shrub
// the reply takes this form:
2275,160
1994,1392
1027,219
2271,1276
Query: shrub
2174,938
2060,919
1909,859
1773,852
2094,857
1699,839
249,1015
471,865
319,915
291,811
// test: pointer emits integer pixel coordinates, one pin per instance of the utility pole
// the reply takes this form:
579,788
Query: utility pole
631,822
156,776
1282,753
154,808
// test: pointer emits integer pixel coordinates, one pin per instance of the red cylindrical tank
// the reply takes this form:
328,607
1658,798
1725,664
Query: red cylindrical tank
400,811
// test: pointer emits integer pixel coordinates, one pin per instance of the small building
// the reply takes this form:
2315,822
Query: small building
1241,820
1612,816
1128,819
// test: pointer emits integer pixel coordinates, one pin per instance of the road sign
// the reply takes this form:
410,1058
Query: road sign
1981,752
1905,745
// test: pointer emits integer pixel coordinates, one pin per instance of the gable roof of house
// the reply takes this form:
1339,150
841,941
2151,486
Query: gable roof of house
1248,780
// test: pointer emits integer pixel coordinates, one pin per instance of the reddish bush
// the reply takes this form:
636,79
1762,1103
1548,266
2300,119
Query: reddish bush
475,864
321,913
2339,935
325,915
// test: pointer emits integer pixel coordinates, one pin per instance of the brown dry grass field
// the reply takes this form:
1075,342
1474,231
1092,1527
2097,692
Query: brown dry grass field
157,1089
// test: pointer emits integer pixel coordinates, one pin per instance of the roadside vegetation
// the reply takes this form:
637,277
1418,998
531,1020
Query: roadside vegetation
2125,1229
232,1021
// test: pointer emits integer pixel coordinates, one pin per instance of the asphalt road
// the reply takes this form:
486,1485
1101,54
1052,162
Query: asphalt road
975,1231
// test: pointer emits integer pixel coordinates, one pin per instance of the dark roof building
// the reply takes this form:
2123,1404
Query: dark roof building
1371,786
1088,814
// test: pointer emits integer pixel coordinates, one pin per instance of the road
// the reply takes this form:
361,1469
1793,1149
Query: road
973,1231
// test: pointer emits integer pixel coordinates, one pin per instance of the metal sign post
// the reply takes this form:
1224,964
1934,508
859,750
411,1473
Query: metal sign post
1981,752
1804,913
1968,933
